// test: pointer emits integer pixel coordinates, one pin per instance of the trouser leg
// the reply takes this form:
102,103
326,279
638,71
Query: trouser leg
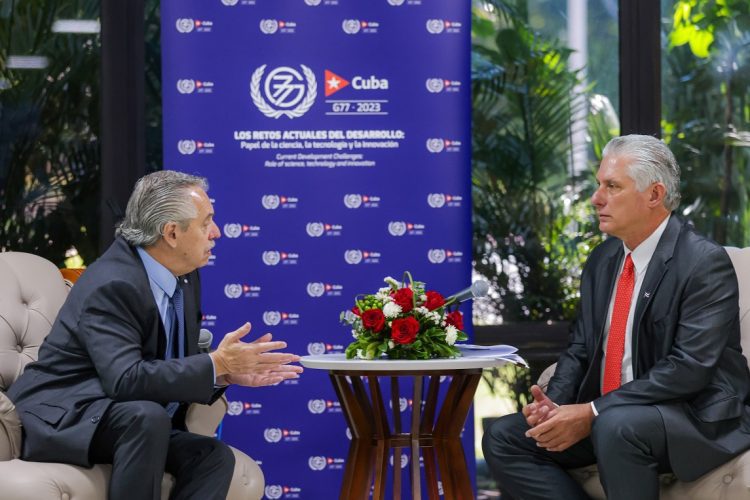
134,437
631,445
527,471
202,466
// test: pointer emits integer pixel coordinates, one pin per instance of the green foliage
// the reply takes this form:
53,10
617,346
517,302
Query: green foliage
509,381
49,131
706,118
532,228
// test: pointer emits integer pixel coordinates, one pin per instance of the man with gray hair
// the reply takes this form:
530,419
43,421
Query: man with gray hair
121,363
653,375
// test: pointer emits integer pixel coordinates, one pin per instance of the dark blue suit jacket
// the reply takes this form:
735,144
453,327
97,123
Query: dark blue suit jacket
106,345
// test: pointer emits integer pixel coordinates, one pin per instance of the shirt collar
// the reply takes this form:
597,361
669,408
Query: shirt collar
157,273
642,254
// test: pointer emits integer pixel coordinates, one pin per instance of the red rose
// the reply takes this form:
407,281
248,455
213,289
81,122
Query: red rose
434,300
404,331
456,319
405,298
356,311
373,319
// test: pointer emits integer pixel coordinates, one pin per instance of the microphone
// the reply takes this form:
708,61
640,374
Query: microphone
205,338
477,290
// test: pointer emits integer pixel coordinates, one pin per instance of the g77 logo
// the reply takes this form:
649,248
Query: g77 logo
288,92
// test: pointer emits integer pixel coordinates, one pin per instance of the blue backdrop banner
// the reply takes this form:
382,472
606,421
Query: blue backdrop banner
335,135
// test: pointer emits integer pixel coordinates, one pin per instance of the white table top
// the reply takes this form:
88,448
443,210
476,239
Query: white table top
339,362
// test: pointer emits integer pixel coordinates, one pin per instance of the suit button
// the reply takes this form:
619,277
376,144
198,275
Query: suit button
95,419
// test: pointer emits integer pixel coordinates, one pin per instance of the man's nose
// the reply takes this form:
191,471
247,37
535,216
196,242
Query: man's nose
596,198
215,233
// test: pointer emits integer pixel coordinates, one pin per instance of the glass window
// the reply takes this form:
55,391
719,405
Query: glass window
49,128
545,92
705,111
543,109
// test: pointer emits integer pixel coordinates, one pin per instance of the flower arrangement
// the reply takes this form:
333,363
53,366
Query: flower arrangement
404,321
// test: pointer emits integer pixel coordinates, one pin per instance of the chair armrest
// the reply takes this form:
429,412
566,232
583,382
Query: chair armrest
205,419
248,482
546,375
10,429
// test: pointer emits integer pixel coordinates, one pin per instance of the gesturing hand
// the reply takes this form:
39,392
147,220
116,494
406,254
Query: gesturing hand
540,410
236,357
263,378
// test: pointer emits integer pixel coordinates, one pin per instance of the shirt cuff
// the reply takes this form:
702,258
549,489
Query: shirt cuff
213,371
593,408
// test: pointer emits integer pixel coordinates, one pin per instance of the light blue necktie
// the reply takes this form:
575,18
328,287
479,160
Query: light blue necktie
176,339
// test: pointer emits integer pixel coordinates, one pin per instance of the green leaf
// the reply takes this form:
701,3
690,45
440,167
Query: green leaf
681,35
700,42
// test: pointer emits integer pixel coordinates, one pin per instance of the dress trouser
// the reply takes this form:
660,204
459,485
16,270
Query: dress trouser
137,438
628,443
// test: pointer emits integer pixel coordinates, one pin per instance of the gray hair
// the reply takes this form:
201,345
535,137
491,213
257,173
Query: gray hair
158,198
652,161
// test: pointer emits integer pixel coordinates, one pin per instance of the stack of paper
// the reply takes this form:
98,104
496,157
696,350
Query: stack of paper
506,352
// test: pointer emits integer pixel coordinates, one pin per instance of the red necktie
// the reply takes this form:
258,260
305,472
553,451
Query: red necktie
616,337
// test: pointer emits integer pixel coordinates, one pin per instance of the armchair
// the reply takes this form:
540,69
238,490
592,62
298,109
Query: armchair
729,481
31,293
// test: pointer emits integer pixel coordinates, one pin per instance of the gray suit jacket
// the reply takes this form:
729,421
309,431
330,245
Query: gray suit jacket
106,345
687,359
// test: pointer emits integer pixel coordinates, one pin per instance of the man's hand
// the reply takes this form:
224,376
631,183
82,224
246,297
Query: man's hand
234,357
564,427
260,379
540,410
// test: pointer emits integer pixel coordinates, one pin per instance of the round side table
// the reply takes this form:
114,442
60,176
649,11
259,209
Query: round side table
434,430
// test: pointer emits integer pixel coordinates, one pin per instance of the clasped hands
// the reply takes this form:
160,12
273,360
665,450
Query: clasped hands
251,363
556,428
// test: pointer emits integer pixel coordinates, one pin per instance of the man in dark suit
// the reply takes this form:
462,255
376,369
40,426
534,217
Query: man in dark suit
121,362
653,379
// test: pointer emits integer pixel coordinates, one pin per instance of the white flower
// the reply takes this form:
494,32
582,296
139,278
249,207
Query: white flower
361,354
451,333
383,296
433,316
391,281
423,298
385,290
355,334
391,344
422,310
351,318
391,310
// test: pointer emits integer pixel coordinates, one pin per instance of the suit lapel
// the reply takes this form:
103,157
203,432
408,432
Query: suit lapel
155,346
191,326
657,267
605,288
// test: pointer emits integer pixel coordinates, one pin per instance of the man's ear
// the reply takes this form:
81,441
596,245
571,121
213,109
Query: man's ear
657,192
169,233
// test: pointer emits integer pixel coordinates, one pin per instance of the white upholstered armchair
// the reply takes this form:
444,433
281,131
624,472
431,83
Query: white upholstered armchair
31,293
731,480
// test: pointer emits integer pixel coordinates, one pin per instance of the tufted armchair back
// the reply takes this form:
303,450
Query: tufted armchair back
31,294
32,291
741,261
